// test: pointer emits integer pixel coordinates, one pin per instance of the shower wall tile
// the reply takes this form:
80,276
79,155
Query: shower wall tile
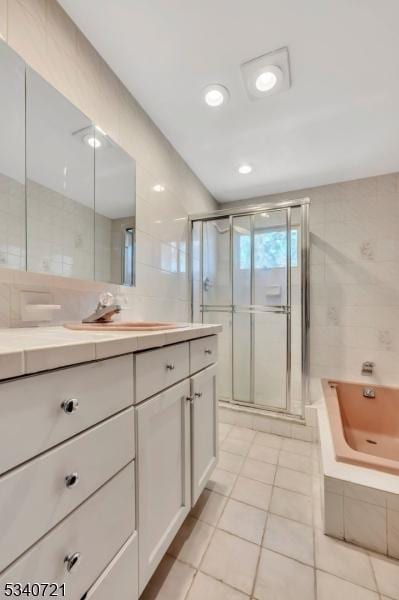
51,43
354,277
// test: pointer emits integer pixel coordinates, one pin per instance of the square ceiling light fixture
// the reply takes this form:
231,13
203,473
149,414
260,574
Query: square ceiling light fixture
267,74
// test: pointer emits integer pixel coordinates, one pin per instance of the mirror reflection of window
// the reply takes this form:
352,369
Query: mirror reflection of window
128,257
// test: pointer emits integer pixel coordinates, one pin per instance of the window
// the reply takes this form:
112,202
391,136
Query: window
270,249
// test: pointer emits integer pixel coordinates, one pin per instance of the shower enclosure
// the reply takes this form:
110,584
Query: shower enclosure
249,272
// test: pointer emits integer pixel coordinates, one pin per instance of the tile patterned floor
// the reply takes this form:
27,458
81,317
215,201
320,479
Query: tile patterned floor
256,532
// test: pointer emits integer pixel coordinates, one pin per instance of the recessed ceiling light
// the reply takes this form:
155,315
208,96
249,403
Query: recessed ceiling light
266,80
267,74
92,141
244,169
159,188
215,95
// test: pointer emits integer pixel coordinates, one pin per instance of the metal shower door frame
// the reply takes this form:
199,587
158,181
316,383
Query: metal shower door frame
253,309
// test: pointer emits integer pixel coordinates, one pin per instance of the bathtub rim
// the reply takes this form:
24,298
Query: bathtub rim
343,451
342,471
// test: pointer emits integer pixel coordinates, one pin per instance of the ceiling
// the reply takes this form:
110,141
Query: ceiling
338,121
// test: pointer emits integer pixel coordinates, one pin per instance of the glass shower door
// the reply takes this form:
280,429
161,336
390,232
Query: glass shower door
216,294
247,274
260,308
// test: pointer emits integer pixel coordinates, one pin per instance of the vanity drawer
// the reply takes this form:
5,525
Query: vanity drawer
35,497
94,533
159,369
203,352
33,419
120,579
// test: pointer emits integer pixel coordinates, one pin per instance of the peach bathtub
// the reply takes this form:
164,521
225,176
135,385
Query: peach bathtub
365,431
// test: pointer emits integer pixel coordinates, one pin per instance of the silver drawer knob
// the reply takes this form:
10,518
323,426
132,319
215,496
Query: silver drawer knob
69,406
170,367
72,560
208,351
71,480
198,394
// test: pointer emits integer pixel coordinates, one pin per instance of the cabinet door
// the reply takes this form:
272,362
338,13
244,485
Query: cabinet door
204,432
119,580
163,473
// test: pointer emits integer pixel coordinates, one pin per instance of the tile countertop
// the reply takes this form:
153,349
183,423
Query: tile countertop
33,349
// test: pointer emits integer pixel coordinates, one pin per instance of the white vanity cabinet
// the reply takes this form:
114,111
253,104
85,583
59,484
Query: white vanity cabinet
163,471
100,463
177,443
204,430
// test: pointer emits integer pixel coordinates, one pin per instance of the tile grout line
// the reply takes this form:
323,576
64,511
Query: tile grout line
252,595
212,537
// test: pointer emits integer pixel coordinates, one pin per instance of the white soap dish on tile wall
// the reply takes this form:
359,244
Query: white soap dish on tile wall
37,307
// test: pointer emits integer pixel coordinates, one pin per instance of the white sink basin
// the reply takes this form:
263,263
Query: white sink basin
124,326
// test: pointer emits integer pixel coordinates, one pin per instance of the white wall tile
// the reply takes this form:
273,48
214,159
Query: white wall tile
365,525
354,285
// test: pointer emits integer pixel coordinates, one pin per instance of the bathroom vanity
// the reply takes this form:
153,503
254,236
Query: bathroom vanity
106,442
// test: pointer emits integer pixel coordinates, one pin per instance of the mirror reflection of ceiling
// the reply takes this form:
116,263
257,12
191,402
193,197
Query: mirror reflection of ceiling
12,138
60,158
115,182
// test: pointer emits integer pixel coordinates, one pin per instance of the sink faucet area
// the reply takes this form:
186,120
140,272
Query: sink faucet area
107,308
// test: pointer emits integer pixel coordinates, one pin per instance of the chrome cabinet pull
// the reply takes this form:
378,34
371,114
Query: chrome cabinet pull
208,351
190,399
198,394
70,406
72,560
170,367
71,480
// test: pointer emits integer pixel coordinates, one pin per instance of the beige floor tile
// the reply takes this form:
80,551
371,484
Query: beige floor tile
293,480
297,446
264,453
209,507
191,541
245,521
330,587
208,588
290,538
252,492
236,446
387,574
171,581
230,462
281,578
296,462
261,471
291,505
268,439
343,560
224,429
242,433
231,560
221,482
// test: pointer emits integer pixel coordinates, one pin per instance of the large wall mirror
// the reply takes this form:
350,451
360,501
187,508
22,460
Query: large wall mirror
12,160
77,188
